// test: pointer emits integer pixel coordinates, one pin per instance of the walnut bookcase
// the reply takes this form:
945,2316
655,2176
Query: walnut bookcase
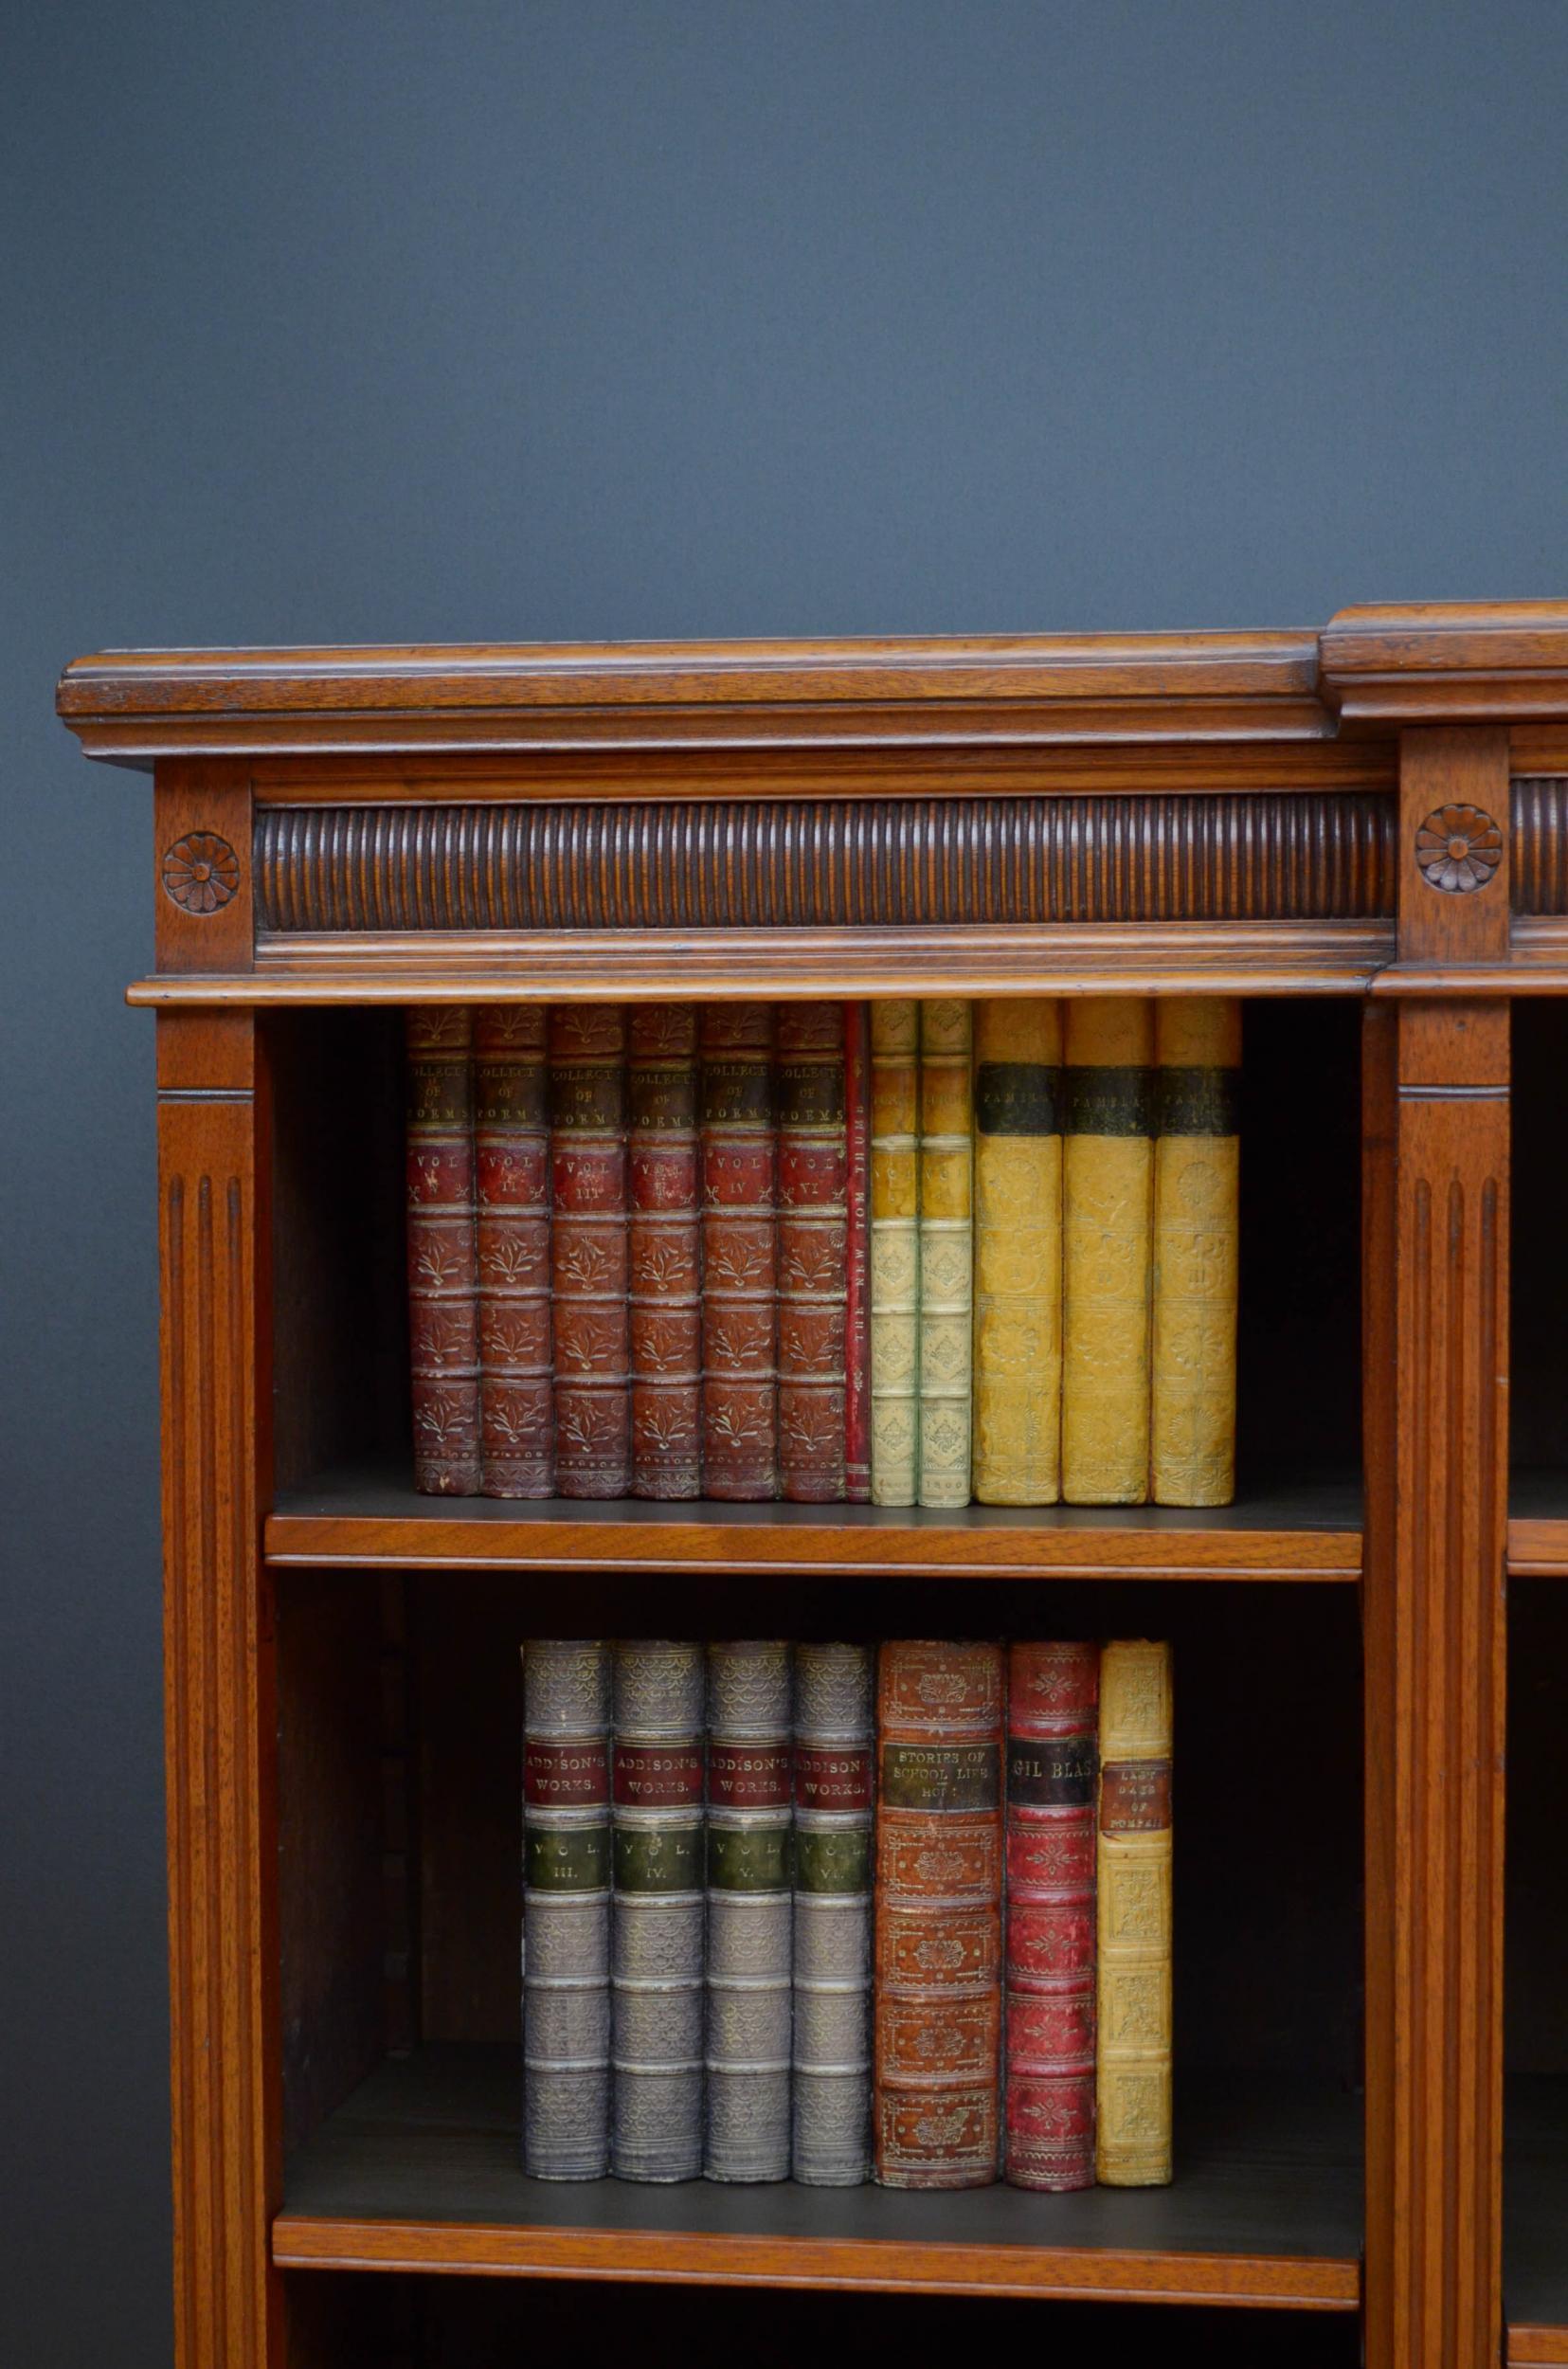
1366,833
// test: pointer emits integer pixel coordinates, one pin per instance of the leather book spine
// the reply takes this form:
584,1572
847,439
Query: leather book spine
666,1253
857,1254
565,1910
894,1254
443,1327
751,1906
1133,2110
946,1252
1107,1164
657,1920
812,1251
589,1250
1052,1740
740,1456
1017,1251
938,2007
834,1684
1196,1223
512,1157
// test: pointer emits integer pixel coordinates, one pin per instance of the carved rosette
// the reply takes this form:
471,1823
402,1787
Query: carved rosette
1458,848
201,873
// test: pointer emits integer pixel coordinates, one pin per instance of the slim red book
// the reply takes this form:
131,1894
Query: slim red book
512,1151
812,1246
443,1336
589,1249
857,1254
1052,1724
666,1253
739,1254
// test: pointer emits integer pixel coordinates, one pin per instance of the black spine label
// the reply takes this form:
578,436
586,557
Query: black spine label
1016,1099
1108,1101
1200,1101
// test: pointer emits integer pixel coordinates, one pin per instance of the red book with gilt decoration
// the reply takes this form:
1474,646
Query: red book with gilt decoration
443,1338
1053,1726
666,1253
589,1249
857,1254
812,1245
511,1154
739,1254
938,1994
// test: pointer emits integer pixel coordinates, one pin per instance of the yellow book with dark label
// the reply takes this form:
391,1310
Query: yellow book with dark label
1017,1251
946,1251
894,1253
1197,1186
1108,1169
1133,2008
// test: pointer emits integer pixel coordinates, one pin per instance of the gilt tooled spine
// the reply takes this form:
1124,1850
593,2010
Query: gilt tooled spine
657,1920
894,1253
1051,1759
565,1910
666,1253
739,1254
750,1904
1196,1192
857,1254
946,1252
1017,1251
812,1250
938,2006
1107,1221
1133,2100
588,1250
511,1154
834,1722
444,1330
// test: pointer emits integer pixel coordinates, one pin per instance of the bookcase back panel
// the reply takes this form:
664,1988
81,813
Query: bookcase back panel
1538,1395
1536,1952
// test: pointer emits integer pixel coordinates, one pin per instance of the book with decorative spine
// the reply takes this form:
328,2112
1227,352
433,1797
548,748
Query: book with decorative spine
665,1253
834,1688
1017,1251
512,1156
1133,2111
813,1252
946,1251
751,1906
589,1249
938,1959
658,1919
1107,1180
1197,1195
739,1254
565,1910
857,1254
443,1329
894,1254
1053,1734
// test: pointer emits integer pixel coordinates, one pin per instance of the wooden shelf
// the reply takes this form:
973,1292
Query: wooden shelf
1538,1524
365,1518
1535,2217
418,2171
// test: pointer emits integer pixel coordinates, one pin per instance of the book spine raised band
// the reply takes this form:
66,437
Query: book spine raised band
812,1252
589,1249
1052,1760
1133,2144
656,1940
565,1910
749,1911
832,1914
739,1254
442,1253
665,1254
1197,1194
511,1148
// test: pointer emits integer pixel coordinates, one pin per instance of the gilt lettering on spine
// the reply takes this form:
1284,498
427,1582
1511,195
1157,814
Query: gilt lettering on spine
1196,1193
665,1253
442,1253
1107,1212
812,1249
565,1910
946,1252
658,1920
1133,2144
1051,1759
751,1911
894,1254
512,1146
1017,1251
834,1722
739,1254
589,1249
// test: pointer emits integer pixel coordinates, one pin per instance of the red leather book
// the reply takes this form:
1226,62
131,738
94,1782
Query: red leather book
511,1151
857,1254
589,1249
812,1246
443,1336
1052,1726
938,2000
666,1253
739,1254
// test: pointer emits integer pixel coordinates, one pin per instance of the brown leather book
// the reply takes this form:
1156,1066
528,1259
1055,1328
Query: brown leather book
739,1254
443,1336
512,1151
938,1752
589,1249
666,1253
813,1230
857,1254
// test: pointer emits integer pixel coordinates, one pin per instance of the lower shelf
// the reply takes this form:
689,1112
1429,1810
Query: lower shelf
418,2171
1535,2220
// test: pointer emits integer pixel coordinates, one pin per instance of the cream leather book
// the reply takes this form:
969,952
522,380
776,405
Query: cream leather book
1107,1211
894,1253
1197,1187
946,1251
1133,2084
1017,1251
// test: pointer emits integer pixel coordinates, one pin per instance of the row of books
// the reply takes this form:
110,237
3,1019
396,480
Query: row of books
839,1912
910,1252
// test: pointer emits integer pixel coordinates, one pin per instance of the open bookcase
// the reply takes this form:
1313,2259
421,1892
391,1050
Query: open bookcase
1364,834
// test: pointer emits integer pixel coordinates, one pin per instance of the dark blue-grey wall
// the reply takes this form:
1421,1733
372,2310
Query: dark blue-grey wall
632,318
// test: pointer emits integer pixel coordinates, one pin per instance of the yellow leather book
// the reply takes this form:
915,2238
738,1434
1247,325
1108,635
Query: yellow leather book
1133,2077
894,1253
946,1251
1017,1251
1197,1186
1108,1169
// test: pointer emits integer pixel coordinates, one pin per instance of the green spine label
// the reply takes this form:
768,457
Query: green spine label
940,1775
659,1858
575,1861
1200,1101
832,1862
1108,1101
1016,1099
749,1858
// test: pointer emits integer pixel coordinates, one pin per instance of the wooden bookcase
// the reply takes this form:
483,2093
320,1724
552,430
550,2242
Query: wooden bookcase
1362,832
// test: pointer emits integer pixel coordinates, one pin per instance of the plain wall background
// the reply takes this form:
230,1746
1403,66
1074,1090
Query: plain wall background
611,318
